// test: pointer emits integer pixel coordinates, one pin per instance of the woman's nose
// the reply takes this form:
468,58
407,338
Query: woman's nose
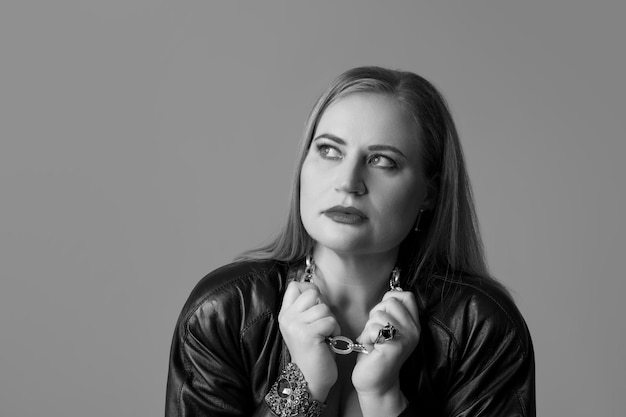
350,179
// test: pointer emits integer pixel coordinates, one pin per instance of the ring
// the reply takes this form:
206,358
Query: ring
387,332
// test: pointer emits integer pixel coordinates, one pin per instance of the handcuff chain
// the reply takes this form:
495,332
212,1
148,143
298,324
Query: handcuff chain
334,341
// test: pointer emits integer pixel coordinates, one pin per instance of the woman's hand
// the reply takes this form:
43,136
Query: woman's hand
305,322
376,376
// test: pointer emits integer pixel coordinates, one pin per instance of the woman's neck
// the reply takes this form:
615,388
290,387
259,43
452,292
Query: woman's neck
352,284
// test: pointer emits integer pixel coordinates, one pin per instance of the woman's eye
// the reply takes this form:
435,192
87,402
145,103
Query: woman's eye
382,161
328,151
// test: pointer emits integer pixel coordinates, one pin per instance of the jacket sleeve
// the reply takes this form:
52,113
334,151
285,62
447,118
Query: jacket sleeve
224,352
492,372
203,382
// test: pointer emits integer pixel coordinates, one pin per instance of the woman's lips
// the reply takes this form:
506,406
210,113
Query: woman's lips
346,215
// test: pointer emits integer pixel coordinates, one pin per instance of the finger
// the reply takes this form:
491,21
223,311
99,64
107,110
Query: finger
293,291
381,318
395,312
325,326
372,327
316,312
408,299
369,334
402,338
306,300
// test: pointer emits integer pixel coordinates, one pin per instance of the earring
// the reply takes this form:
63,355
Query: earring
417,222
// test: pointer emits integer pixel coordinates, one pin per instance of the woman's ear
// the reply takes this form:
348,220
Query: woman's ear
432,193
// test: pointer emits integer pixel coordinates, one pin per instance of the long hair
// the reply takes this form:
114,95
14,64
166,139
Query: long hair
449,243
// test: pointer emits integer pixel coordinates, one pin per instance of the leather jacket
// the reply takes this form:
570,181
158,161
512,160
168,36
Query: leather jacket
474,357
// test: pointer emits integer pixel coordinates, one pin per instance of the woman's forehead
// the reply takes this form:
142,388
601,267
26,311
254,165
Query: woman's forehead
371,118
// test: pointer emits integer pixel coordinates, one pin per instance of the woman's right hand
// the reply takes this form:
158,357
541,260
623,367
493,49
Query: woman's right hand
305,322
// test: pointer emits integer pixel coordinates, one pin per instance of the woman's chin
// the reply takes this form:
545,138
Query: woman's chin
353,245
342,244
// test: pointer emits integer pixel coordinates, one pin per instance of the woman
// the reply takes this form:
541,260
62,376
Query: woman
375,299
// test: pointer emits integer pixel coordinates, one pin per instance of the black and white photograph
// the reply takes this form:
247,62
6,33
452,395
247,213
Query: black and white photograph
326,209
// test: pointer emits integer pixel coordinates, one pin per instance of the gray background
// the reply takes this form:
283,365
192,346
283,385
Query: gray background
145,143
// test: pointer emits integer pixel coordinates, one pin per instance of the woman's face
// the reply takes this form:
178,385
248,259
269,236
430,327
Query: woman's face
362,183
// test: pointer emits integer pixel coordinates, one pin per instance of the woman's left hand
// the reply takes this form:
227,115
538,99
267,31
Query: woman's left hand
376,375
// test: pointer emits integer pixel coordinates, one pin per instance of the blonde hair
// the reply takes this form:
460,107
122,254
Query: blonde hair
449,243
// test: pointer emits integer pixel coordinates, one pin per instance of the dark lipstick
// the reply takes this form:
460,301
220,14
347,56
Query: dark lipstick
346,215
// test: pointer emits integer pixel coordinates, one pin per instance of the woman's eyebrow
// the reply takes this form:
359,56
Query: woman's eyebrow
330,136
387,148
340,141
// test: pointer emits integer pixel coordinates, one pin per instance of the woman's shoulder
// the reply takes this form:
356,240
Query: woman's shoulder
471,309
238,292
260,275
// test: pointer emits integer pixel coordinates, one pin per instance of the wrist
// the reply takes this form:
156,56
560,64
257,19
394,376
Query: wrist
318,393
319,380
389,403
